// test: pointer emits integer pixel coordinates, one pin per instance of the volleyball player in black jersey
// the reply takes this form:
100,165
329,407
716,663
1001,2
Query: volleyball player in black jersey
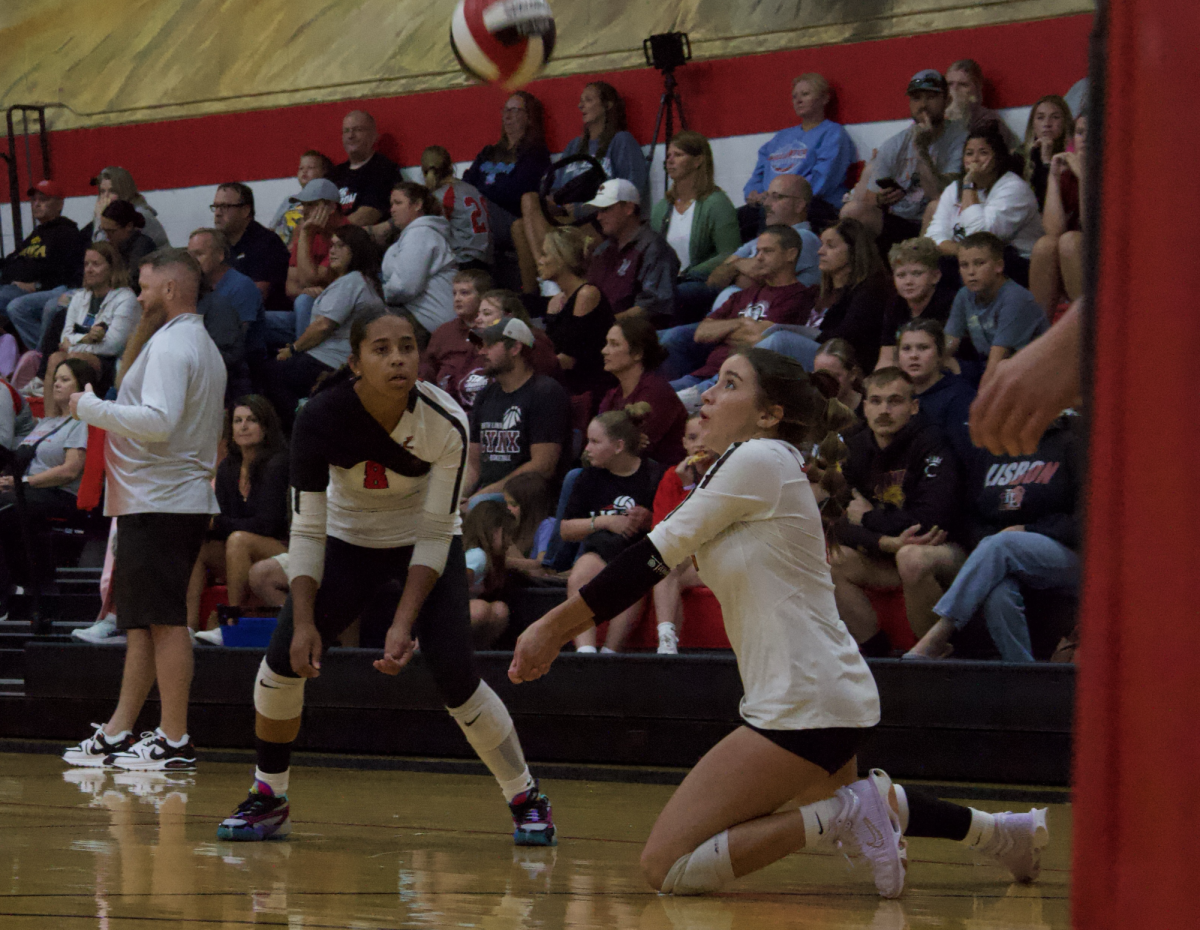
378,461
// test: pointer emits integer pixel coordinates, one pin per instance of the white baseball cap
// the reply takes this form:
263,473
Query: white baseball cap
506,328
618,190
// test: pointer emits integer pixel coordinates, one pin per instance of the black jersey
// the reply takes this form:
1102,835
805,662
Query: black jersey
364,486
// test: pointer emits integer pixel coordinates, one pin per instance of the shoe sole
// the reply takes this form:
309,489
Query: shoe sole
100,641
535,838
84,763
186,766
250,835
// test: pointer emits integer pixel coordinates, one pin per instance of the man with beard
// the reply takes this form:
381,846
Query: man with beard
521,422
897,529
163,431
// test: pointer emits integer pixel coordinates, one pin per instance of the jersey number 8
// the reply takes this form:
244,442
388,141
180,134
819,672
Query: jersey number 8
374,477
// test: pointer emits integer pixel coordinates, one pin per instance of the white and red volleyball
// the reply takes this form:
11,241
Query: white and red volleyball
503,42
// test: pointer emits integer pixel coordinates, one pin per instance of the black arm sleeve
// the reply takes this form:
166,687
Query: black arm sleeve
624,581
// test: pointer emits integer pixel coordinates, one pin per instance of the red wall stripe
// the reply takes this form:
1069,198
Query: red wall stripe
722,97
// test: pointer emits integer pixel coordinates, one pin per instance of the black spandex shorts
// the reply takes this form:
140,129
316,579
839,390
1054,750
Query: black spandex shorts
155,555
360,581
607,544
830,748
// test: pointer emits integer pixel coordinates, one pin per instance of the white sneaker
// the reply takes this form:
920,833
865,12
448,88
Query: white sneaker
92,752
690,398
154,754
103,630
1018,841
668,640
868,824
585,650
212,637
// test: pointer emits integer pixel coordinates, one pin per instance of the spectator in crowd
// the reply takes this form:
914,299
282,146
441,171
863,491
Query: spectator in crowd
837,358
1047,133
818,150
743,319
365,179
256,251
610,508
1025,527
990,197
998,314
964,81
909,171
99,321
419,267
225,329
211,249
463,207
634,266
698,221
451,360
324,346
252,492
313,164
916,276
944,397
529,500
117,184
507,170
521,422
578,317
308,267
50,462
854,292
632,355
785,203
499,303
675,485
121,225
607,140
896,529
1056,267
487,534
43,265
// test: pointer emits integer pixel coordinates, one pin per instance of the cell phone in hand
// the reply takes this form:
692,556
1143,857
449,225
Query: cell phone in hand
886,184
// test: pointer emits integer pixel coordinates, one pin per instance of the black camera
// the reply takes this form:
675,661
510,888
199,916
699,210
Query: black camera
667,50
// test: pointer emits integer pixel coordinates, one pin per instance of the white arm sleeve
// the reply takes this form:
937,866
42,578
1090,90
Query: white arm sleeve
742,485
306,547
440,520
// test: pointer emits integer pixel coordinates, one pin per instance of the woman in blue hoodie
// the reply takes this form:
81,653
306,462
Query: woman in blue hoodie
818,150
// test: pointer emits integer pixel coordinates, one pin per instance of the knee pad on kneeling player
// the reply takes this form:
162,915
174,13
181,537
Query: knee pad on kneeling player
707,868
277,697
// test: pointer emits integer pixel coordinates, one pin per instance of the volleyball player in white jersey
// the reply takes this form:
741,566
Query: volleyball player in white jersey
753,529
377,468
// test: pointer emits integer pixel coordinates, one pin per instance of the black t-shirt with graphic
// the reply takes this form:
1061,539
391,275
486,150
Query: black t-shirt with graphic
368,185
598,492
507,426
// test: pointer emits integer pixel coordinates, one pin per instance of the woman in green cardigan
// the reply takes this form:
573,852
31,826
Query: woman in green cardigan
698,220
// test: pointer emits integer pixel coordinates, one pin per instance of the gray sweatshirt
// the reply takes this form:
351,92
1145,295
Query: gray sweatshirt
418,271
165,424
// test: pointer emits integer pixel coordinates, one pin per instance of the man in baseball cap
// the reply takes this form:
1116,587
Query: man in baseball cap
317,189
505,328
43,266
308,271
907,172
634,267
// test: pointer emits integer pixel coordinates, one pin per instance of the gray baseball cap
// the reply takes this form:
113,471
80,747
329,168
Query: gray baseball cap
318,189
506,328
929,79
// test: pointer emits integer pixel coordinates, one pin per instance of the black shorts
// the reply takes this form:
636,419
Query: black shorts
156,553
830,748
607,544
367,583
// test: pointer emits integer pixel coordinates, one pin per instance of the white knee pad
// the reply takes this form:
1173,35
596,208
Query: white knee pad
705,869
484,719
277,697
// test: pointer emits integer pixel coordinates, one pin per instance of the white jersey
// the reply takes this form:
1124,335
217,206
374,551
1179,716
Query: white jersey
754,528
465,208
356,482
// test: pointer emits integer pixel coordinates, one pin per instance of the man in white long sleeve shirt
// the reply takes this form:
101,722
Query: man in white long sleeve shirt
163,431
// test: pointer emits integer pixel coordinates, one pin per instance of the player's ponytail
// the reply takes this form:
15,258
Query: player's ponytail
626,426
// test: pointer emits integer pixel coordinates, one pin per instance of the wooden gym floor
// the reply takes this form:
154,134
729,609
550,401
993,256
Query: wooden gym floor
82,848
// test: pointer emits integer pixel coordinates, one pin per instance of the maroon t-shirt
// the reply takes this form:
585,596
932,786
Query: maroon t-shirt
453,363
664,426
789,304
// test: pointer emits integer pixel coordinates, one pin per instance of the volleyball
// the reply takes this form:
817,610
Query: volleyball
503,42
